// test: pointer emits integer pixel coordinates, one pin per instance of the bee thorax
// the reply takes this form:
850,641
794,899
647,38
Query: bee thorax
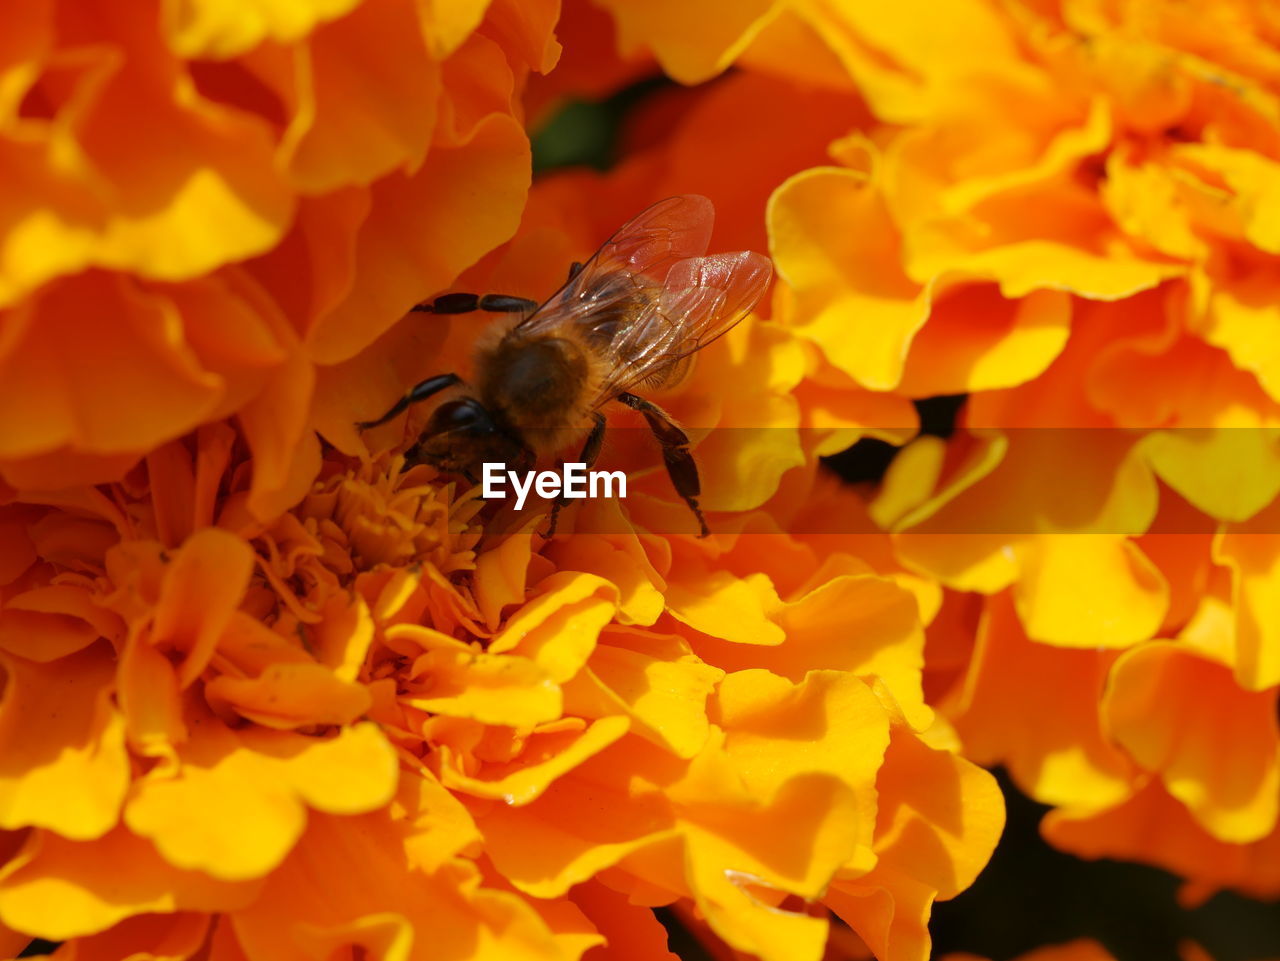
538,383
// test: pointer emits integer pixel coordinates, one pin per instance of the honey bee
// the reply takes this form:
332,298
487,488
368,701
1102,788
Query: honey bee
630,318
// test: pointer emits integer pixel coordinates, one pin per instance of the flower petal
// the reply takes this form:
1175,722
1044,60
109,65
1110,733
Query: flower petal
65,767
59,889
262,782
1181,716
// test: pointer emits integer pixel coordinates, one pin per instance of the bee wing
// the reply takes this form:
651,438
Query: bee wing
635,260
701,299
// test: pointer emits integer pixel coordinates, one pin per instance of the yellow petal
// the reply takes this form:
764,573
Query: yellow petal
61,889
977,340
863,624
217,29
905,54
621,562
1089,590
794,843
261,782
1182,717
1230,473
557,629
546,757
692,43
1255,181
490,688
724,605
1252,555
64,762
848,733
833,243
652,679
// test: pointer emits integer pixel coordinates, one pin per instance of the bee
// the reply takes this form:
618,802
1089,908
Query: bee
630,318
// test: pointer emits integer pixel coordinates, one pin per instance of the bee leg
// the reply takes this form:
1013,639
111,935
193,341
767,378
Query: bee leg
590,451
466,303
681,467
421,391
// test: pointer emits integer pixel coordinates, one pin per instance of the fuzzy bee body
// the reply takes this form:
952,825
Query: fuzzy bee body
632,317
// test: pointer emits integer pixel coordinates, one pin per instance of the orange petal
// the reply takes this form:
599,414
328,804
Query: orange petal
423,230
692,44
286,453
151,699
1051,736
155,937
288,696
354,77
346,884
46,623
106,388
1216,747
202,587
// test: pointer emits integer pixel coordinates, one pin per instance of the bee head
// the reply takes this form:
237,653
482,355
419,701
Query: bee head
459,436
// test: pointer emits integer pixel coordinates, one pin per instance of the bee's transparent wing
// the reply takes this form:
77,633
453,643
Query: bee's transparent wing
701,299
629,268
647,300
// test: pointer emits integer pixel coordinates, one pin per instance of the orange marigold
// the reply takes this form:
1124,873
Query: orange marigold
367,722
218,201
1066,211
268,696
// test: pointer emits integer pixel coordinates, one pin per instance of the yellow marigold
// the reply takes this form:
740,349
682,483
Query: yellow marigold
1066,211
212,202
1158,747
368,723
269,696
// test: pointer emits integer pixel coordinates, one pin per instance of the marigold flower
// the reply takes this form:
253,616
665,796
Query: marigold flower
290,700
267,695
364,724
1062,212
215,202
